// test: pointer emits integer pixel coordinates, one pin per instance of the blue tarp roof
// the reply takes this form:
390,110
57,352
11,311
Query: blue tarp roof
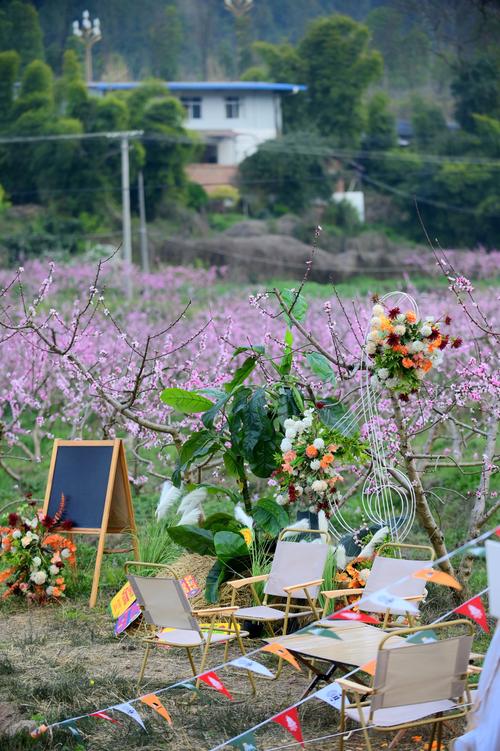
203,86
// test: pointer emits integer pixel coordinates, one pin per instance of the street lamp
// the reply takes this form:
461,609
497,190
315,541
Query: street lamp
89,33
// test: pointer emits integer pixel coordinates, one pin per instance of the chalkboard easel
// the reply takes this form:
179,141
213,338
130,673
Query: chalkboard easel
93,477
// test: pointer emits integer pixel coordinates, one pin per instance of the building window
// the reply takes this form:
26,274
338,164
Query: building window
192,105
232,106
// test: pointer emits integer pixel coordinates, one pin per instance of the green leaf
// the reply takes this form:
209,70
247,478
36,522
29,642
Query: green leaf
210,415
286,361
241,374
321,367
187,402
257,348
297,302
328,633
216,489
230,463
196,445
217,574
194,539
270,516
229,545
221,522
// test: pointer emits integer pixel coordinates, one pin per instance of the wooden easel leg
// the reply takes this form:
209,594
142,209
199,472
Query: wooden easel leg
97,569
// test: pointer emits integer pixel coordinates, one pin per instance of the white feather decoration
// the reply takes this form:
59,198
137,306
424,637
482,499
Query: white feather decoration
242,517
302,524
340,557
169,495
191,517
192,500
369,549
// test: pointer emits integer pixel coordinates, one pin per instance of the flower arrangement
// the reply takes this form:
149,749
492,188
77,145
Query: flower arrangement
308,473
34,555
403,349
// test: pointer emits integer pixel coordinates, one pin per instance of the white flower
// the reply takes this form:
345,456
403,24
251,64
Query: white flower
416,346
401,318
309,412
315,464
374,380
289,423
17,534
50,591
307,423
375,322
66,552
429,319
37,561
286,445
299,489
33,523
383,374
399,329
420,374
281,500
364,574
378,310
26,540
319,486
371,348
372,336
426,330
291,433
391,382
39,577
54,569
319,444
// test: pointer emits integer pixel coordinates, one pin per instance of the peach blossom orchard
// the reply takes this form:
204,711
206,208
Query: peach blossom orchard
80,360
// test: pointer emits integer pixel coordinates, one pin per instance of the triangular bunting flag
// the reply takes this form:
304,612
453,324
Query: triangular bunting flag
331,694
369,667
255,667
386,599
189,686
350,615
151,700
422,637
131,712
246,742
280,651
105,716
213,680
497,531
437,577
474,609
289,719
327,633
74,731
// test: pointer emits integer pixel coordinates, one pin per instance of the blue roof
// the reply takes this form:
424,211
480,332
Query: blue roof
202,86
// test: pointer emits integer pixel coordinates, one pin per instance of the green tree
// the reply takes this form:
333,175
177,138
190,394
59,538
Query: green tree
339,67
25,35
9,66
286,174
476,90
380,124
429,125
166,42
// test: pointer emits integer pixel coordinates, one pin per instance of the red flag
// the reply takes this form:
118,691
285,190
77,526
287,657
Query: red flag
213,680
497,531
474,609
104,716
350,615
289,719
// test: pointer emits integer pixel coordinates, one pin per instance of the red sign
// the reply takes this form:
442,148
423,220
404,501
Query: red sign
474,609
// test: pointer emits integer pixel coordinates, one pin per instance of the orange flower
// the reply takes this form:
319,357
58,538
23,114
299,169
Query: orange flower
56,592
407,362
311,451
400,348
426,365
332,448
5,574
287,468
385,324
289,456
435,344
326,461
60,580
410,316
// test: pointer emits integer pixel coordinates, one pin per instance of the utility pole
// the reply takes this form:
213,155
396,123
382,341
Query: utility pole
126,221
143,230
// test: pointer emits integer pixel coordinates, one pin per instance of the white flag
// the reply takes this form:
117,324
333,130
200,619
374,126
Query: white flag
255,667
331,694
131,712
387,600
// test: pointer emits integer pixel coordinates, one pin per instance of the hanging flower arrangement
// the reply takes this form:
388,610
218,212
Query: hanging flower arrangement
35,556
311,454
404,350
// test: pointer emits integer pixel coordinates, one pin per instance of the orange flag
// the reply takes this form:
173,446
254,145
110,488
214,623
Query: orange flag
437,577
280,651
152,701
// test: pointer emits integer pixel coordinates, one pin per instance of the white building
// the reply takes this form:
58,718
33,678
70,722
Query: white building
233,117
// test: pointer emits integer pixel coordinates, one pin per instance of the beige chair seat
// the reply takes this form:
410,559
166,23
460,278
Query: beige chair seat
266,613
185,638
391,716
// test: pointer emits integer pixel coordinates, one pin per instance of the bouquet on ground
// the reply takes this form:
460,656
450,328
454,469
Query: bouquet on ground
34,555
403,349
310,462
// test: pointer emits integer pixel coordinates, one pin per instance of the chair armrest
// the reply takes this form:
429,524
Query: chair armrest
228,610
331,593
414,598
476,656
237,583
474,670
304,585
347,685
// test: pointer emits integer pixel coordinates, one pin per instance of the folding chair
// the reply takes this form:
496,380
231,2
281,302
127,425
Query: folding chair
164,605
296,574
415,684
384,572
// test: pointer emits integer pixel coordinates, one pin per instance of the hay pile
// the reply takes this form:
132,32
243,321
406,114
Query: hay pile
199,567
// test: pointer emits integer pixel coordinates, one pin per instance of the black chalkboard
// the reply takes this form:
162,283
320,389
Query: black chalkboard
81,473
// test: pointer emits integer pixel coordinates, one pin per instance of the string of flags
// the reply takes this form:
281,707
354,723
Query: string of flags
288,718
